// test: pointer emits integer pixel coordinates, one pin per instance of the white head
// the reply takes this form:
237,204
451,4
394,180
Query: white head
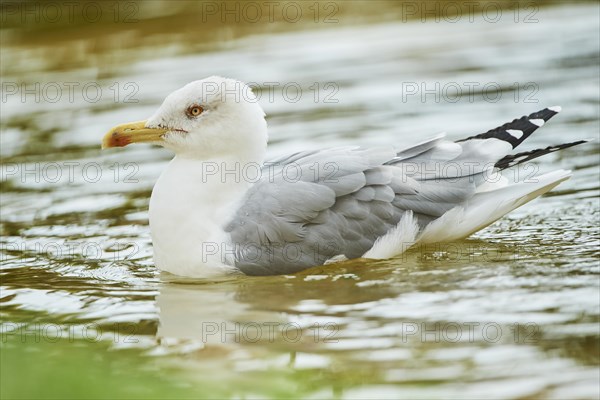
207,119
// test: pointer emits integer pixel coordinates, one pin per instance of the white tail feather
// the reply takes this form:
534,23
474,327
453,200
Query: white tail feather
487,207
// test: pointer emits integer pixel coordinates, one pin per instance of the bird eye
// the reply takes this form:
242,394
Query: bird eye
194,111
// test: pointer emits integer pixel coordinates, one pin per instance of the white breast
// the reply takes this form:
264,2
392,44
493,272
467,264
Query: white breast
188,211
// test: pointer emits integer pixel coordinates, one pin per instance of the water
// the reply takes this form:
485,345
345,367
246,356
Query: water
512,312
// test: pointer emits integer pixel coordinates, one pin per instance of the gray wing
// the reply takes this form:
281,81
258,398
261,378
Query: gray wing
315,205
312,206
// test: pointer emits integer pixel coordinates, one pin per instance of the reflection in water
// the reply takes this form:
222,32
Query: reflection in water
435,318
513,311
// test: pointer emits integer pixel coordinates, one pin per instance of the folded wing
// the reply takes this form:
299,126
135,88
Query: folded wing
348,202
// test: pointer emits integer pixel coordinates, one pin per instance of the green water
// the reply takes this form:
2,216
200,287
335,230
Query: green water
512,312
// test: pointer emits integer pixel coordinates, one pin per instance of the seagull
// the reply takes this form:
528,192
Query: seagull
219,208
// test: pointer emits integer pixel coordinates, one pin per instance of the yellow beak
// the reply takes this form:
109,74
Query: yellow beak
133,132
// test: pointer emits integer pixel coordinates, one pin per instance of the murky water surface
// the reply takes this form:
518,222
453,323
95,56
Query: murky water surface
513,312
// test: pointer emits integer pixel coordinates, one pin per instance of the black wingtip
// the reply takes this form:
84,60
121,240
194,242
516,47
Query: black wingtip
516,131
516,159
